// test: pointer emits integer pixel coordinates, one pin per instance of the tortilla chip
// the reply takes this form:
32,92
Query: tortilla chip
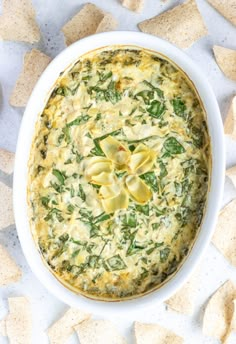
24,6
184,300
225,7
231,173
230,121
86,22
9,271
154,333
62,329
108,23
182,25
34,64
6,161
6,206
3,330
18,322
226,60
232,326
224,237
133,5
219,311
98,332
17,23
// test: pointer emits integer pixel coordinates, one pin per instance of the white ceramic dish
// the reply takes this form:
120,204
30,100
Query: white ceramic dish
35,106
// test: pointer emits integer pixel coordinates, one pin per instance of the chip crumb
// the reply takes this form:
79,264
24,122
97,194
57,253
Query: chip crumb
19,321
155,334
184,300
133,5
219,311
230,121
231,173
224,237
227,8
98,332
6,206
9,271
182,25
226,60
35,63
88,21
63,328
6,161
17,23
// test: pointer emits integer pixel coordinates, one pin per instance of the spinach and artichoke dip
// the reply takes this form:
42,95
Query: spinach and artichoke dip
118,173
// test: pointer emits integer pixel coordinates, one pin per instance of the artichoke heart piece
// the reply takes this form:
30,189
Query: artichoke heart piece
138,190
115,151
103,178
142,159
110,191
98,170
120,201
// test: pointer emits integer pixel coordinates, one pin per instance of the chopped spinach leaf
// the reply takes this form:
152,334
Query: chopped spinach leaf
164,254
179,107
156,109
172,146
151,180
116,263
59,175
79,120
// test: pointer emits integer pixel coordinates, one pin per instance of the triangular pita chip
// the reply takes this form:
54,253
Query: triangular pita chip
182,25
98,332
225,7
231,173
226,60
18,323
224,237
17,23
183,301
133,5
86,22
6,161
230,121
62,329
35,63
219,311
9,271
155,334
6,206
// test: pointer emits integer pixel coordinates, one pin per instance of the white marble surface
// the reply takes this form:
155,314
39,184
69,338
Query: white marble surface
51,15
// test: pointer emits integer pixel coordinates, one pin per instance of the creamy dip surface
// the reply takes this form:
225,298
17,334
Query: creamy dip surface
118,173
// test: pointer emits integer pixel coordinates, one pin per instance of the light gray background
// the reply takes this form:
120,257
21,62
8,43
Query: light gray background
51,16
